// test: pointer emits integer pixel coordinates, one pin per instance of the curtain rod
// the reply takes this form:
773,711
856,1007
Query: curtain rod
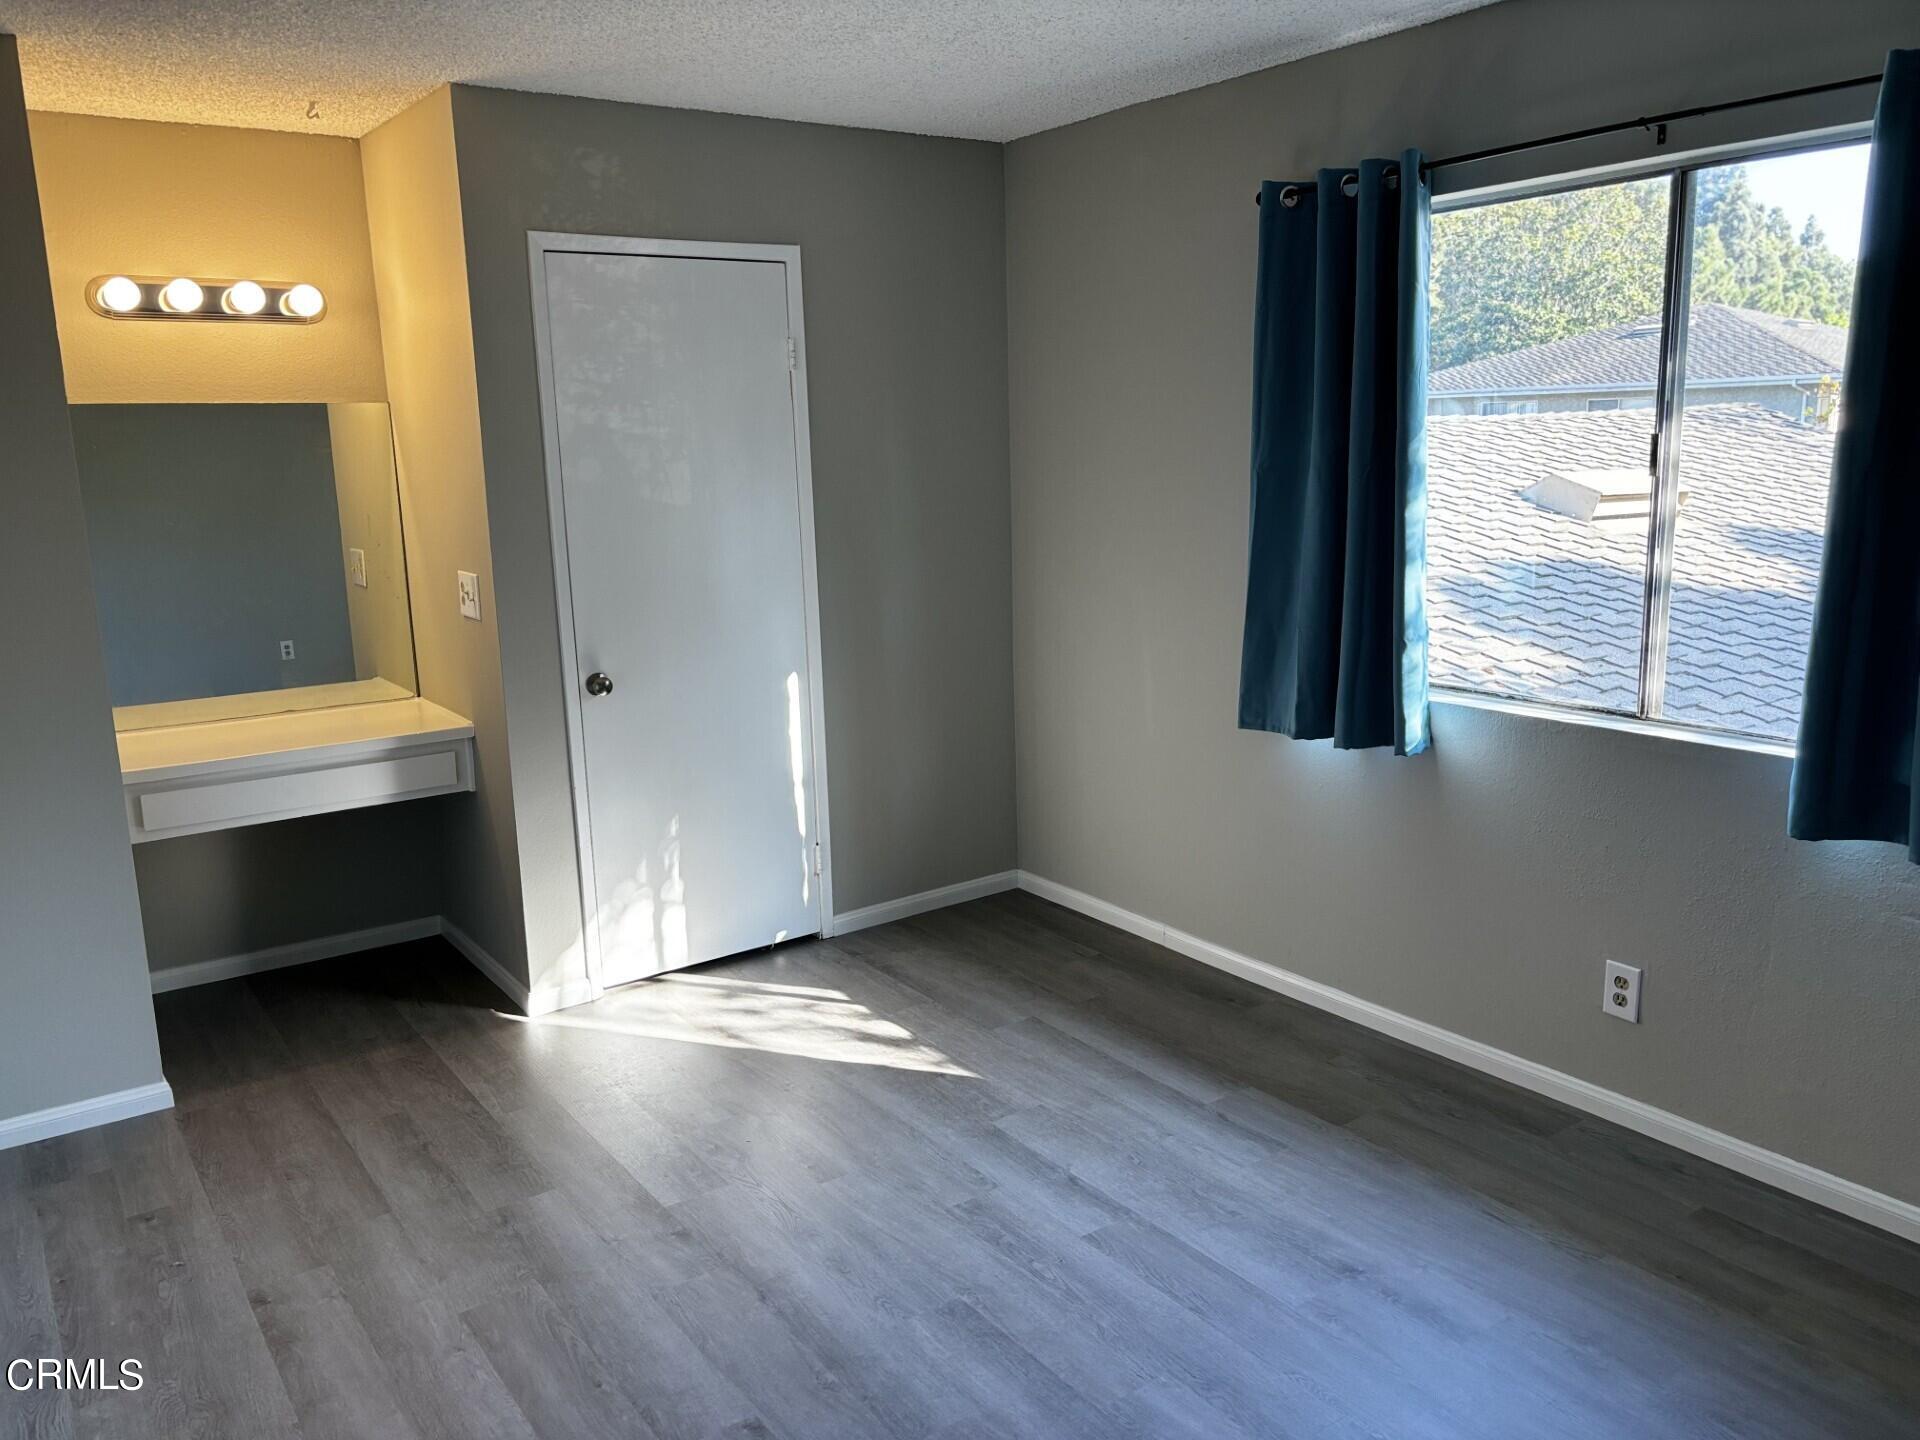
1644,122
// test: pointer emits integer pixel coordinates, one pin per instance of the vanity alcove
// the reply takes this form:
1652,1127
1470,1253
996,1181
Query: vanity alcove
249,569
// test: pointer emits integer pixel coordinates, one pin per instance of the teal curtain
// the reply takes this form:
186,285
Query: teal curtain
1856,775
1335,641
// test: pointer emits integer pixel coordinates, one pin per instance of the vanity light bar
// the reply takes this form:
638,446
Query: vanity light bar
181,297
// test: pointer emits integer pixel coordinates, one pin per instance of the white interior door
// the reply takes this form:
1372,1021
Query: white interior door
673,412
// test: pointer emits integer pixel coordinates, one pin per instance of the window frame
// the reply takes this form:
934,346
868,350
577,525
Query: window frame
1681,170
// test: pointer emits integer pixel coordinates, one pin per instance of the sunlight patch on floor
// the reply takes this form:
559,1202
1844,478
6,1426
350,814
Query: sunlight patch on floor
798,1020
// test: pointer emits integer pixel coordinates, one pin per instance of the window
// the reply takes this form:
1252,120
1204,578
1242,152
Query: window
1650,550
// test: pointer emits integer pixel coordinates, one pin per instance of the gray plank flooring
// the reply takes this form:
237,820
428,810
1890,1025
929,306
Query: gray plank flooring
995,1171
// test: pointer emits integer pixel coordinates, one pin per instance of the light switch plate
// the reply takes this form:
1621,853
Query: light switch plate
357,567
469,594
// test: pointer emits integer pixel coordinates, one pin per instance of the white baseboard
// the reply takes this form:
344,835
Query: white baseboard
300,952
1885,1212
1105,911
540,1000
85,1114
888,911
478,957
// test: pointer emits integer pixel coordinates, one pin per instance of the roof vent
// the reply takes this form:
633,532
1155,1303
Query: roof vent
1610,499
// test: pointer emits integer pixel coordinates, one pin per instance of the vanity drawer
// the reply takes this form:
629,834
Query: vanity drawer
188,805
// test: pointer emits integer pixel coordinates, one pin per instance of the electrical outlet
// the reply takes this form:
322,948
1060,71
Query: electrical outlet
1622,996
357,567
469,594
286,649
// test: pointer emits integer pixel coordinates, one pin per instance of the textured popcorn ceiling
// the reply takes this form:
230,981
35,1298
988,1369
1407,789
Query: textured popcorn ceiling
989,69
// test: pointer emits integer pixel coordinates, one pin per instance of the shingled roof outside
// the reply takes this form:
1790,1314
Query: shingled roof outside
1526,602
1724,343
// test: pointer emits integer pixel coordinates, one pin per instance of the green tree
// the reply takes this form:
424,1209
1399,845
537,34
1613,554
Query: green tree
1529,271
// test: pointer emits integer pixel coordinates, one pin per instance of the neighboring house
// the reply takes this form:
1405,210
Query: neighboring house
1734,356
1525,597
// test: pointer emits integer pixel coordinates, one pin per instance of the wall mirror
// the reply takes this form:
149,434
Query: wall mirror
247,559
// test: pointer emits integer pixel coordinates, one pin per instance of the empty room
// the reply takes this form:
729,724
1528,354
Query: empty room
888,720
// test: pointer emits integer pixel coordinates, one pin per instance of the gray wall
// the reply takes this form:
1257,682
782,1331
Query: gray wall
76,1020
230,892
903,261
1478,887
214,534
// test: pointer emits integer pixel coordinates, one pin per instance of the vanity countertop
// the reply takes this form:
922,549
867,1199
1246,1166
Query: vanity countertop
216,774
167,714
212,746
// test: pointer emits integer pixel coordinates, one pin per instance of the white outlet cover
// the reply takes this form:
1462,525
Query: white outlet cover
469,594
357,567
1621,997
286,649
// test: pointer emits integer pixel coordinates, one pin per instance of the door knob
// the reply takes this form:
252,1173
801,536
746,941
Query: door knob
599,683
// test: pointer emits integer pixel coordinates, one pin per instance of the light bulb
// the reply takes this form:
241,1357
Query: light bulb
243,297
305,301
118,294
182,296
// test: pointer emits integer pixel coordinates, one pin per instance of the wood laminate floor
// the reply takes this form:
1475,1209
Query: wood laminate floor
996,1171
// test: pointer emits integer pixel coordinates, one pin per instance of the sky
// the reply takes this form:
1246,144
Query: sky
1827,184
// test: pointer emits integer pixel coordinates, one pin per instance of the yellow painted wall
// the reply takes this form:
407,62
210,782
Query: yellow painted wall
369,496
419,247
142,198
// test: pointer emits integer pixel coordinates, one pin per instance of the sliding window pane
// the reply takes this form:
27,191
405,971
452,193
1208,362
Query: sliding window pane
1774,243
1545,360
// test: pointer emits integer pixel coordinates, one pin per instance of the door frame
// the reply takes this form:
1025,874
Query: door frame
540,244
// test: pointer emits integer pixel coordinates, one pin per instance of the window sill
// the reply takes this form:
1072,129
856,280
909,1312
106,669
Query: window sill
1626,724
